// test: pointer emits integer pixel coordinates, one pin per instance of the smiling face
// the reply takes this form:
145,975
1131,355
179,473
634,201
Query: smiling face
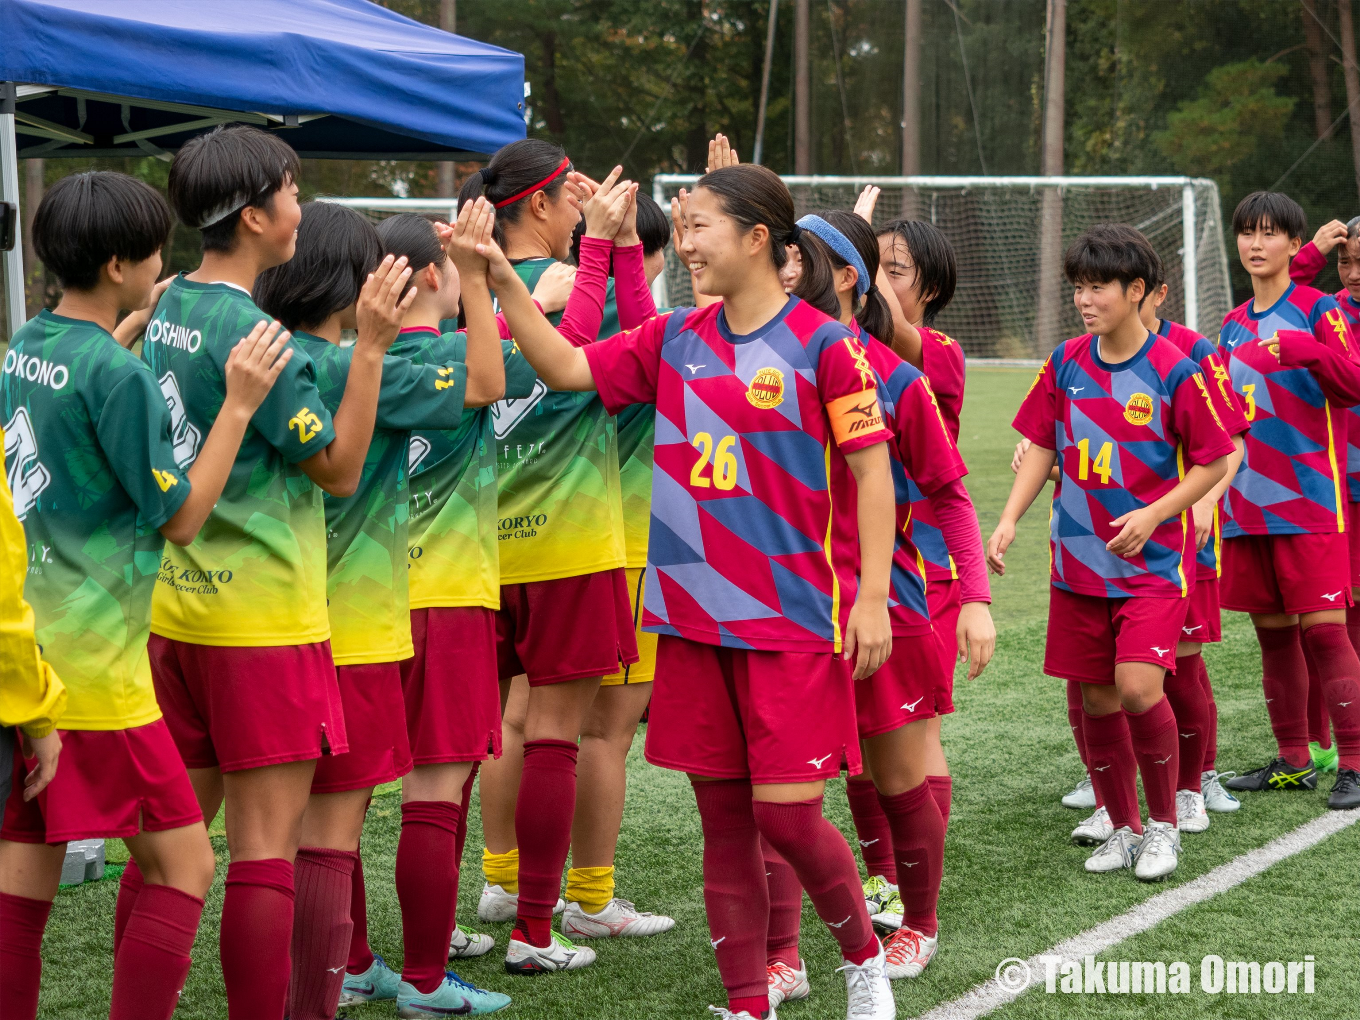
1265,250
720,254
1105,306
276,222
1348,266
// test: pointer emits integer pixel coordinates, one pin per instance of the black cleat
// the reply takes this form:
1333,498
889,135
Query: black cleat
1278,775
1345,791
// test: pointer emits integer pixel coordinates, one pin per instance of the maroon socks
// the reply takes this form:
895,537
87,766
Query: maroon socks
942,789
918,846
871,826
1339,671
256,938
735,899
543,812
1113,768
1211,736
1074,712
1153,735
322,930
1284,676
427,888
360,955
128,888
825,867
22,921
1353,626
1185,691
786,907
152,960
1319,724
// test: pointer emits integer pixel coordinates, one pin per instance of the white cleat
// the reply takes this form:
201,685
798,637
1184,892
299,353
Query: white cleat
1115,853
466,944
1190,813
908,952
723,1013
1083,798
1094,830
786,984
1216,797
618,918
869,994
558,954
1159,852
498,905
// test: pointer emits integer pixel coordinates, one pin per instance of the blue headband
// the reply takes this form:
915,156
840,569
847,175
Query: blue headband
841,245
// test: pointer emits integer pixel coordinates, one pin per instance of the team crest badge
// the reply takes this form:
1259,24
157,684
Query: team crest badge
766,389
1138,411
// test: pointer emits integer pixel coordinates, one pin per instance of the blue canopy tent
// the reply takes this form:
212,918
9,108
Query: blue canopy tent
340,78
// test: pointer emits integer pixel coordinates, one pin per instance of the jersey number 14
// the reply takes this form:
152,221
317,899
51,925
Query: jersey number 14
1101,465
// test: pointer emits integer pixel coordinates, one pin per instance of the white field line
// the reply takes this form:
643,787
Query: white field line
983,998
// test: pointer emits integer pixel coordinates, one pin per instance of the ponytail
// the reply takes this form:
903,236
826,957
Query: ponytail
873,315
411,235
516,172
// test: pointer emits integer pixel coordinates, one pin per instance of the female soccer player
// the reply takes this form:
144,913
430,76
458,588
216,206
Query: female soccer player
92,453
316,294
240,645
895,705
766,408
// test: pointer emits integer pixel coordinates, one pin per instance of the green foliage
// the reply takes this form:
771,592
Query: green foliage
1235,116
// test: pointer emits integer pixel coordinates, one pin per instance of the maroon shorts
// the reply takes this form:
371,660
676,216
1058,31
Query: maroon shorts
566,629
453,700
243,708
376,727
1088,635
945,599
1352,522
908,687
109,783
1203,622
1286,573
731,713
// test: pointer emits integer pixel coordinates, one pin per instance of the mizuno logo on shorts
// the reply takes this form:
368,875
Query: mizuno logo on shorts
911,706
817,762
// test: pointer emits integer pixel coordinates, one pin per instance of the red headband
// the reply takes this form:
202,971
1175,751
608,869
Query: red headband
566,162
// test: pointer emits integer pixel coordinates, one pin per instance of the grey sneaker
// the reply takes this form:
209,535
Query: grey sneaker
1190,813
1115,853
1094,830
1216,796
1159,853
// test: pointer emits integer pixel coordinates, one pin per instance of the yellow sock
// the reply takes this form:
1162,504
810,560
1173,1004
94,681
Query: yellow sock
502,869
593,888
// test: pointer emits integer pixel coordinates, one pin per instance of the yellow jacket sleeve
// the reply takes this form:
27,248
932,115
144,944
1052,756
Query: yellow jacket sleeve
32,696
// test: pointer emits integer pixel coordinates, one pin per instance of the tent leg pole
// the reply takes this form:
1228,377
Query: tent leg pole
9,190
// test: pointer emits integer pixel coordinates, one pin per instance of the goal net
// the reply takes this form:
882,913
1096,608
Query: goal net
1009,233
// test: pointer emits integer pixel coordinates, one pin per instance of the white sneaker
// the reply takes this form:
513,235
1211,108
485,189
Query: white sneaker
1159,853
1094,830
1083,797
619,917
498,905
786,984
908,951
723,1013
1115,853
867,990
1190,813
1216,798
889,918
466,944
558,954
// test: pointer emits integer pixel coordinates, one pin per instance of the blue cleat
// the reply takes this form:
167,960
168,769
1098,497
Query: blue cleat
453,997
377,983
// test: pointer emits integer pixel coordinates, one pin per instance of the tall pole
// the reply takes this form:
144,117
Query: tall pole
765,83
448,21
1317,68
33,193
911,104
1046,319
802,98
12,261
1352,75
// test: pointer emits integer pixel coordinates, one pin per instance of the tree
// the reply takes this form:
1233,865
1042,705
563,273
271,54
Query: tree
1236,114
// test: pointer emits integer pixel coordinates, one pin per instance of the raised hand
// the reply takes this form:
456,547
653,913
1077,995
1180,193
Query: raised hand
554,287
255,363
864,205
606,208
383,302
679,206
1329,235
721,153
476,220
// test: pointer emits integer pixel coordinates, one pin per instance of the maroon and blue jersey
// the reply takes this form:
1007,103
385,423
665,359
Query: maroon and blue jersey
1291,481
946,369
924,458
1303,270
1125,435
752,543
1199,350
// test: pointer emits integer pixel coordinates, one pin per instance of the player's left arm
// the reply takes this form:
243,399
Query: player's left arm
1329,354
868,635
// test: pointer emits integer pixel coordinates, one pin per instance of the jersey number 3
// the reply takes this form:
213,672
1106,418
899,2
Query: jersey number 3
724,463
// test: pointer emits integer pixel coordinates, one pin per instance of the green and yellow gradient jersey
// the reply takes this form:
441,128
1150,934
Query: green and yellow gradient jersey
256,573
366,582
92,465
557,462
452,534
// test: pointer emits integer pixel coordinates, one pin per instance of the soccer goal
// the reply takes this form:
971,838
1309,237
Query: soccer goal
1009,234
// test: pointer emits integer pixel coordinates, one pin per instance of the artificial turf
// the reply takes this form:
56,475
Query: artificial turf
1013,883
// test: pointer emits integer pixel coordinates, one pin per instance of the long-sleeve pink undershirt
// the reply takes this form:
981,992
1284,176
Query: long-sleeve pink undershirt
959,524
